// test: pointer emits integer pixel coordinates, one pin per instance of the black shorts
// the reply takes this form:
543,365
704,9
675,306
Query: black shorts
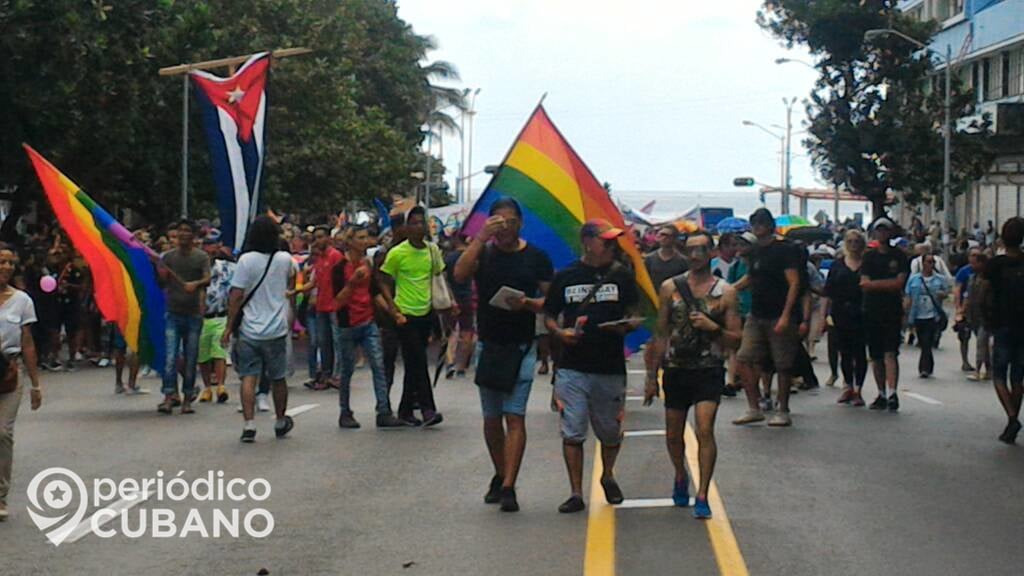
685,387
883,339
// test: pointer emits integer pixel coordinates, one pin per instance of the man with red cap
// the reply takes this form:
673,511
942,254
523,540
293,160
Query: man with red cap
594,298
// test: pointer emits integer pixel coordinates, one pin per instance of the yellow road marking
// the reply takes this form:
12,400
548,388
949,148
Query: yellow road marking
723,541
600,554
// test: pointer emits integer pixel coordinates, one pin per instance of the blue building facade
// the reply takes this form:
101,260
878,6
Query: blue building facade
986,38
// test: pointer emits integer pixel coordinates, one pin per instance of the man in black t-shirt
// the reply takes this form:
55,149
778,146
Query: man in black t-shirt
1004,276
505,329
594,297
882,277
776,323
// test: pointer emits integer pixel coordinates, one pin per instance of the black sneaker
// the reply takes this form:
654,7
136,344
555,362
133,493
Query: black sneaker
411,420
434,419
1009,435
493,495
894,403
572,505
508,500
389,421
282,431
612,492
347,420
728,391
880,403
248,436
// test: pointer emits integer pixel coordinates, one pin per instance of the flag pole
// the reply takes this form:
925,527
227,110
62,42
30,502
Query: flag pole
184,146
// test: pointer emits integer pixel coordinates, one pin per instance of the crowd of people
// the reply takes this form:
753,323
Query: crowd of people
738,312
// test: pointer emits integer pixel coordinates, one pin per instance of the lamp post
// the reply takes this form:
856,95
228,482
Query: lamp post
947,130
469,166
784,171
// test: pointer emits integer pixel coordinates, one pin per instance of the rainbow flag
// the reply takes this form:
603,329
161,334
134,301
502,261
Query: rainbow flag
126,288
558,193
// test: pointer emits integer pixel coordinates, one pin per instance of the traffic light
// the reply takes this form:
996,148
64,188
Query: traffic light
743,182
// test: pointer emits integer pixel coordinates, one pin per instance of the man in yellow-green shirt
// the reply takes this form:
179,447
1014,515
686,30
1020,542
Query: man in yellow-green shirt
411,265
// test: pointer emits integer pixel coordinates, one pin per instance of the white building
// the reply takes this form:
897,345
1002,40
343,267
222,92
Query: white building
986,38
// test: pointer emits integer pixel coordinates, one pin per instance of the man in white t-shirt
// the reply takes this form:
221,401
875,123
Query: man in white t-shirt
263,279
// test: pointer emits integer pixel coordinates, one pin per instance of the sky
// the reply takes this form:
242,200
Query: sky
651,94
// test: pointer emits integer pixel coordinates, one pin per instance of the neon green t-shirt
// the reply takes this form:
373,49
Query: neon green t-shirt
411,269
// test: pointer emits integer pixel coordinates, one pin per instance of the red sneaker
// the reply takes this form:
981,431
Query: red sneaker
857,400
845,397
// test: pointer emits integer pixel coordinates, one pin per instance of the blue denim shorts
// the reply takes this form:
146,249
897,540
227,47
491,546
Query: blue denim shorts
261,357
595,399
494,403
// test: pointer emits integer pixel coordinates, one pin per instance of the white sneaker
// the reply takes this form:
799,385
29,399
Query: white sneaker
135,391
103,362
262,404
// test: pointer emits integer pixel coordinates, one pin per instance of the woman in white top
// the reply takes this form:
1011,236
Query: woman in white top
17,313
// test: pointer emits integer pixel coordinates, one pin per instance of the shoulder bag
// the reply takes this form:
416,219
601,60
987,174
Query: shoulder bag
942,320
440,295
237,323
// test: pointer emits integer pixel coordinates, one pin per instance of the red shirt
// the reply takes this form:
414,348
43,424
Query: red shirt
322,267
359,309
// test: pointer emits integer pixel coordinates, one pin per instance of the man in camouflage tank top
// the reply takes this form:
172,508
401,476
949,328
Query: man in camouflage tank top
698,321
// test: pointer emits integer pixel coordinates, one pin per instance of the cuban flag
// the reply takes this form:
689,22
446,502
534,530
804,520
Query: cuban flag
234,116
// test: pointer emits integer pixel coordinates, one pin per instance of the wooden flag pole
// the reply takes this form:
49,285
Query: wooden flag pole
183,70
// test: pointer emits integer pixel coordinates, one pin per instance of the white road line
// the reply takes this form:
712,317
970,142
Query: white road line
120,507
647,503
630,433
644,372
634,398
293,412
923,398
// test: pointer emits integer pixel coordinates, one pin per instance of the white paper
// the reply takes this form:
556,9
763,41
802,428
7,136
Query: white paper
503,295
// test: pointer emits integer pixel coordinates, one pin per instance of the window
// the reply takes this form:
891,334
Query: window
986,79
1004,76
976,81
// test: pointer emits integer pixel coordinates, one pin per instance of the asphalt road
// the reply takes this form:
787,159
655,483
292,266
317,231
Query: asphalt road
845,491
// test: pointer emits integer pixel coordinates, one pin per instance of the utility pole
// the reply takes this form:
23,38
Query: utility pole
787,188
947,194
469,165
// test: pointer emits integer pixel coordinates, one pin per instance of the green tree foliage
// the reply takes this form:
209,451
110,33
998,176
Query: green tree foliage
875,121
78,80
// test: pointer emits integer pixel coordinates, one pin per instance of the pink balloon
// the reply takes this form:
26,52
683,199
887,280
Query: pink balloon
48,284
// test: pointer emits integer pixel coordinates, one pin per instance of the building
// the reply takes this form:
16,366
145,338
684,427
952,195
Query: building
986,38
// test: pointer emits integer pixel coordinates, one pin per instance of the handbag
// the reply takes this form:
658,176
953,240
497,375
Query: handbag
440,295
499,366
237,323
942,319
8,373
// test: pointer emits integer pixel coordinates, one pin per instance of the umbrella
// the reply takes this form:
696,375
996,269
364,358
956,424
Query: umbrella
732,224
810,234
685,226
786,222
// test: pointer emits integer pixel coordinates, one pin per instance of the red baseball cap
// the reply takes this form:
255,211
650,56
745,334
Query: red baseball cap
600,228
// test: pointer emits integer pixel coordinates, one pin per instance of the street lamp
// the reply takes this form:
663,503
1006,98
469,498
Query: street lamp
786,142
795,61
947,130
469,165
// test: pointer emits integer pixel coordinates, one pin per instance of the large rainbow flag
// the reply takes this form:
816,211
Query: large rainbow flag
558,193
126,288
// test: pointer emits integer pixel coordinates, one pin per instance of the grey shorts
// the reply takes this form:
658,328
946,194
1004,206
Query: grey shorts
595,399
261,357
761,342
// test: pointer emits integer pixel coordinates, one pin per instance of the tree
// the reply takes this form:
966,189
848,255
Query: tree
875,124
79,81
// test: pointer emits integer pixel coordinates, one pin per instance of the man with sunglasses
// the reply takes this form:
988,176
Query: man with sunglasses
698,320
595,297
666,261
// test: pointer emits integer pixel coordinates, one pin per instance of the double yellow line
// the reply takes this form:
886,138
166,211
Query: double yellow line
600,554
